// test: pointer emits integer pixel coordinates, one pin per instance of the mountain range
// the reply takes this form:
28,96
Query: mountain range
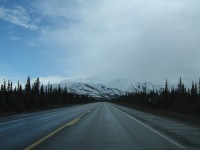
111,89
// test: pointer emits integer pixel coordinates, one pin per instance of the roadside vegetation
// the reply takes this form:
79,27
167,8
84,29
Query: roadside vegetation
36,96
178,102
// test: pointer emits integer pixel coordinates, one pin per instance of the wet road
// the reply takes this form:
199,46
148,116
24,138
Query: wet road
98,126
20,131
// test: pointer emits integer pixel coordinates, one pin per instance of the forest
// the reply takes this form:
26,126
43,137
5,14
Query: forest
179,102
36,96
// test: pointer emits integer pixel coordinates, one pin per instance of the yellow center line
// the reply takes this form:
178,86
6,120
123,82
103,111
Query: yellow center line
72,122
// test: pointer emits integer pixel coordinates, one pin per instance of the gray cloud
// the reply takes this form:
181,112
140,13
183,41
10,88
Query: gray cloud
138,39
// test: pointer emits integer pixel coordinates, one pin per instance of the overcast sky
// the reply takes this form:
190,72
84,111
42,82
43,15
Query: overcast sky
142,40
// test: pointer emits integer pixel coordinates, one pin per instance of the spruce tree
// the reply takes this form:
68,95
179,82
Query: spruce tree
199,86
166,87
28,86
179,86
42,90
37,86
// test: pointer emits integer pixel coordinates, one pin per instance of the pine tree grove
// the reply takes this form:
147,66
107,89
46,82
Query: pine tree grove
36,97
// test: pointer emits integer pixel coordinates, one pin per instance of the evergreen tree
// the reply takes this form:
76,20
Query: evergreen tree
28,86
4,86
37,86
192,89
196,89
182,89
42,90
34,97
199,86
179,86
166,87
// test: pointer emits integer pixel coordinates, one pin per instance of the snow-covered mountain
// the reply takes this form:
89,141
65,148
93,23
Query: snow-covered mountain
130,86
109,90
91,89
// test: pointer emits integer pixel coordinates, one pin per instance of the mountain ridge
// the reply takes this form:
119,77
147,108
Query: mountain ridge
112,89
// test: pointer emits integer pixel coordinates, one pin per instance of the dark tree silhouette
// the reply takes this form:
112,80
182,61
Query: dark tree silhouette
175,99
36,97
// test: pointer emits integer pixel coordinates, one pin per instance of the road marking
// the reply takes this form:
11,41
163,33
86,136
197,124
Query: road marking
153,130
72,122
37,115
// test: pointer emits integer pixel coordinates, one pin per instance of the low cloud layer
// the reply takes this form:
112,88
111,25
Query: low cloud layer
144,40
138,39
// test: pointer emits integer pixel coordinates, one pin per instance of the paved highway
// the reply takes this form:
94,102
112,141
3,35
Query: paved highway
20,131
97,126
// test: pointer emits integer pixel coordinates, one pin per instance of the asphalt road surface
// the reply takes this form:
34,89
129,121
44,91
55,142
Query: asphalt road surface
97,126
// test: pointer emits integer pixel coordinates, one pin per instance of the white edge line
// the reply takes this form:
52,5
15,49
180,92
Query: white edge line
153,130
28,117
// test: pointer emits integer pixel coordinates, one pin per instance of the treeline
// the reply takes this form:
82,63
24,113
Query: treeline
177,99
36,96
